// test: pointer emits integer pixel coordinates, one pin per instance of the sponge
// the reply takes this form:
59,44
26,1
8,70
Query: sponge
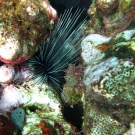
17,116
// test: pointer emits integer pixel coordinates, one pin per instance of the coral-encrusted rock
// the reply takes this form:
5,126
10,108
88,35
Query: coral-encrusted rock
100,122
23,25
109,17
43,109
109,77
111,81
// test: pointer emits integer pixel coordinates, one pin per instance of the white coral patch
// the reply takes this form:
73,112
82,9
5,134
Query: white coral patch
93,74
10,49
95,77
7,73
10,98
90,53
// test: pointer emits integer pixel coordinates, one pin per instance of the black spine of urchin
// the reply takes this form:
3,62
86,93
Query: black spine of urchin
49,63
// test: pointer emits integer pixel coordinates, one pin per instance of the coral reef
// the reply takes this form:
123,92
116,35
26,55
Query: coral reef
99,122
103,80
48,65
109,80
23,26
35,108
108,53
113,79
109,17
40,105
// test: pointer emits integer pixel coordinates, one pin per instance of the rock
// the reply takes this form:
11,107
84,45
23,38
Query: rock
23,28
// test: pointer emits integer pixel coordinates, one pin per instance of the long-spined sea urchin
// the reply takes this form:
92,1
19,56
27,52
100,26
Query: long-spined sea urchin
49,63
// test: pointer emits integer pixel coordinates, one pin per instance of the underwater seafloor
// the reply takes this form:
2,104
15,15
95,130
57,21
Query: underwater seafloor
67,67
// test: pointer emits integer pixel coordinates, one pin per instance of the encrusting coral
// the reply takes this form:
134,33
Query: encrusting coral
40,104
23,26
109,79
109,17
104,80
108,53
113,79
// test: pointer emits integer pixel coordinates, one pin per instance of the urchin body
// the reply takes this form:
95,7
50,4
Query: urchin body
49,63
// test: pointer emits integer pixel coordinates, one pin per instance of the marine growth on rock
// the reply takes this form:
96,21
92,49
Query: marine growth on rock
109,79
23,25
